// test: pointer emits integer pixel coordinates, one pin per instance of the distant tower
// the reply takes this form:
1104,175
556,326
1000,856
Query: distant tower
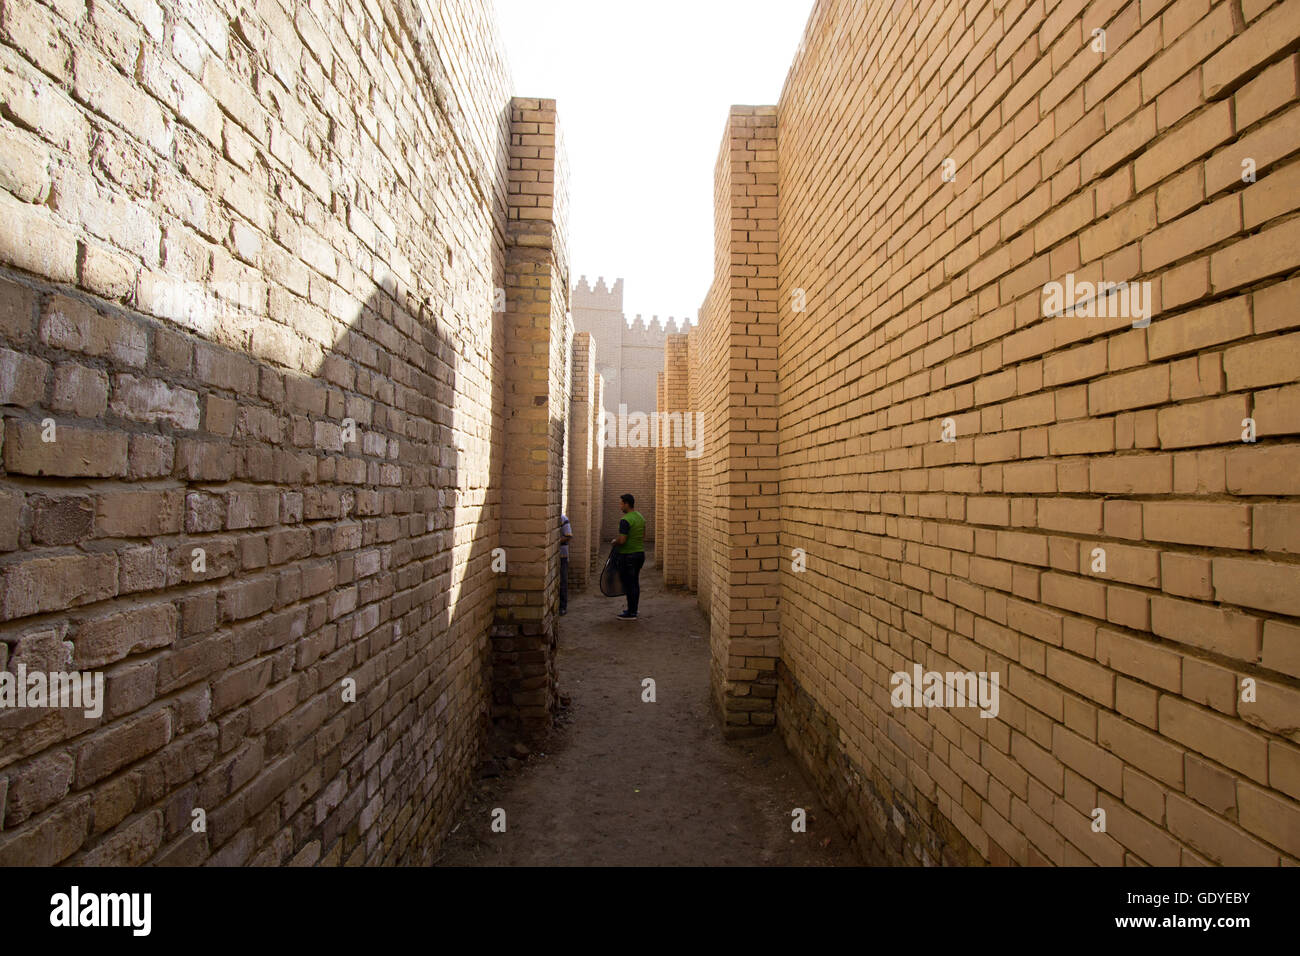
629,356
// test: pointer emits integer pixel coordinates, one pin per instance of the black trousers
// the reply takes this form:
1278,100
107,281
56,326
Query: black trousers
629,572
564,584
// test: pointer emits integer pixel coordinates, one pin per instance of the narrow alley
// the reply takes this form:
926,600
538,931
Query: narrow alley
632,783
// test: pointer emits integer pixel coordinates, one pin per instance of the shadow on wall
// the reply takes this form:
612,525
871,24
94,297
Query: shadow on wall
229,544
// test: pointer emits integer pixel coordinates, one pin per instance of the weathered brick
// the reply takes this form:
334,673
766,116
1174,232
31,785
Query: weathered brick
73,451
105,640
48,584
80,391
152,400
75,326
67,519
22,379
123,744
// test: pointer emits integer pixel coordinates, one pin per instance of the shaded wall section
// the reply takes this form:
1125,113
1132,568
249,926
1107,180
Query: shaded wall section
252,374
583,439
535,372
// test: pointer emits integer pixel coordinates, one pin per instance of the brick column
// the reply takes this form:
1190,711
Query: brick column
742,333
582,449
661,503
599,548
691,517
675,536
523,637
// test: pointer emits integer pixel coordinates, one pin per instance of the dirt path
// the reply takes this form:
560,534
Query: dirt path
623,782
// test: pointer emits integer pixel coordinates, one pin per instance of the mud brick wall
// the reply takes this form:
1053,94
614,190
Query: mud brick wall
1121,688
583,441
661,504
524,639
674,485
248,264
707,395
628,470
599,543
714,551
692,515
738,399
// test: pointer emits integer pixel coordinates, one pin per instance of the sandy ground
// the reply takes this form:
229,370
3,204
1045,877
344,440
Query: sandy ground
622,782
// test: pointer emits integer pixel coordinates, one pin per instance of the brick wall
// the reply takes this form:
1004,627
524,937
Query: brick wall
911,296
739,370
674,483
714,325
692,510
661,474
524,639
230,242
628,470
599,543
583,440
706,397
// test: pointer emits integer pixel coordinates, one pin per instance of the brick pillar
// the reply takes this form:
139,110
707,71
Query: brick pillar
599,544
675,536
691,516
660,503
744,608
523,637
703,405
582,446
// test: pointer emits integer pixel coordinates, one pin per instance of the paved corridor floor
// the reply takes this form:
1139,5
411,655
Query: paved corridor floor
624,782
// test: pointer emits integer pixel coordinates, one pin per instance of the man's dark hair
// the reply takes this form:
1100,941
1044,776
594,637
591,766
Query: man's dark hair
631,502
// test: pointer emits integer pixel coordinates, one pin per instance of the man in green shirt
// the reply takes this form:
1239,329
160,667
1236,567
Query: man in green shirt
631,554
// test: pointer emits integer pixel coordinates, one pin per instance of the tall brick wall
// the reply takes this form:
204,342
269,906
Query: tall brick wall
224,236
707,396
739,370
674,483
599,544
583,440
524,639
1120,688
911,295
714,327
691,516
661,474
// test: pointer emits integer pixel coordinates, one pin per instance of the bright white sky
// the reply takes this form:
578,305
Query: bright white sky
643,91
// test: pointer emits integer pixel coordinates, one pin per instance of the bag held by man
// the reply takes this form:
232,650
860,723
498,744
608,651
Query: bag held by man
611,585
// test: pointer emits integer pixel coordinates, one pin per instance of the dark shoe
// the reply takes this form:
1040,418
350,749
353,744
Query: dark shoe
625,616
563,611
